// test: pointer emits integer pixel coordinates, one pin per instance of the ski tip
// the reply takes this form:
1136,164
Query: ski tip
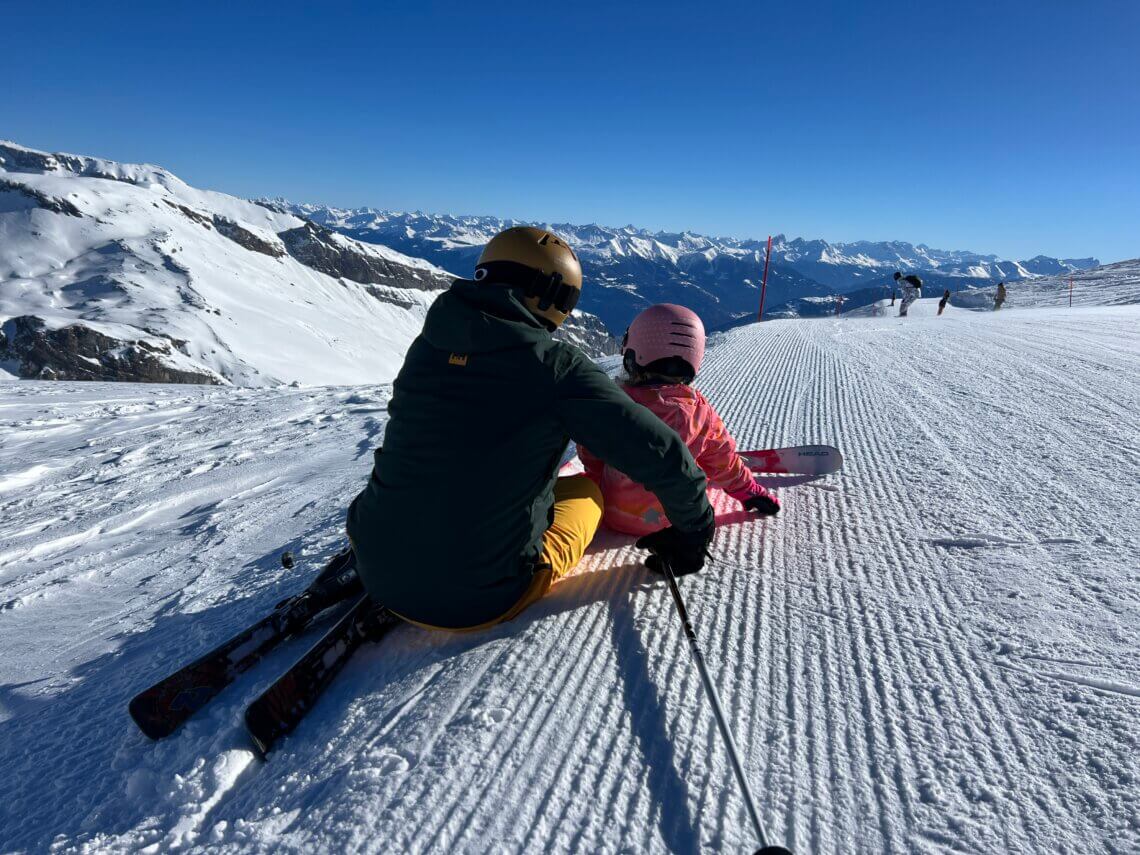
144,715
262,728
259,748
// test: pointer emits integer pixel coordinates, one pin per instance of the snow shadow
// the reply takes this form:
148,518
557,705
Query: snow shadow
78,773
76,769
669,791
617,587
574,592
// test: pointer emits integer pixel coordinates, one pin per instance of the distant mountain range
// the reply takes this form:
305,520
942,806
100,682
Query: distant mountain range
113,271
629,268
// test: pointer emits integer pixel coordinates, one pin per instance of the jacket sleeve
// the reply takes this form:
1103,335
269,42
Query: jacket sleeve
716,454
616,429
592,464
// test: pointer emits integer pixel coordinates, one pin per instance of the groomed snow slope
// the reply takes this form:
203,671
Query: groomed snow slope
935,652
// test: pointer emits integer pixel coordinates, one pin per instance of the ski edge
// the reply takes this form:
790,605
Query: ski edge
281,624
263,726
766,479
815,460
155,729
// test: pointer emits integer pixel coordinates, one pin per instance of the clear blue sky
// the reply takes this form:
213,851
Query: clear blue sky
1001,127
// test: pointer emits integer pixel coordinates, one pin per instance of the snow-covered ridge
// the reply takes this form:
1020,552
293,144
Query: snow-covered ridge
459,232
116,271
125,272
1109,285
628,268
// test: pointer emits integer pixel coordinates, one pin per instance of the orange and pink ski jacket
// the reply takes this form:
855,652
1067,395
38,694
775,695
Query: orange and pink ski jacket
632,509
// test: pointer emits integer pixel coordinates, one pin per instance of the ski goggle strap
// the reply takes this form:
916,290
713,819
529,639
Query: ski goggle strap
550,289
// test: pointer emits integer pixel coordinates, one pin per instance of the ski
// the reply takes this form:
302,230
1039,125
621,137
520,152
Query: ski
813,460
765,480
282,706
161,709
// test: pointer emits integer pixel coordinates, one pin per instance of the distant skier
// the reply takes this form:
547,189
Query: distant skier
912,290
662,353
945,299
465,522
999,298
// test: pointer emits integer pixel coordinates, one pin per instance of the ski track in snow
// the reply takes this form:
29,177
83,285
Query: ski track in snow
936,654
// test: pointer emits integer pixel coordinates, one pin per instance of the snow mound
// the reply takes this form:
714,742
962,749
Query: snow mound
112,271
118,271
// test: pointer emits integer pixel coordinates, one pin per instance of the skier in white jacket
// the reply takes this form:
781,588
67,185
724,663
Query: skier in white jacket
912,290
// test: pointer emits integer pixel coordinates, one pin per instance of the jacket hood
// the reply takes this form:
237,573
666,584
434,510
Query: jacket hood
651,393
476,317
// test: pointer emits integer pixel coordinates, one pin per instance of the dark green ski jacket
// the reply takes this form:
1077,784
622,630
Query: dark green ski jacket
448,530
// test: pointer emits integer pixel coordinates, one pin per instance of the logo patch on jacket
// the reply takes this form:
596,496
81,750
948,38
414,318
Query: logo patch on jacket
457,359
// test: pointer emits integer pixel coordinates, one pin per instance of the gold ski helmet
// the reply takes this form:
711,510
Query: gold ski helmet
540,263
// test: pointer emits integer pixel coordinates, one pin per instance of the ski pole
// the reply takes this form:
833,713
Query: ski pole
714,700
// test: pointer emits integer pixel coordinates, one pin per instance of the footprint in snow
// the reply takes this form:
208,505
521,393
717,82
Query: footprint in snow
382,763
975,541
393,764
485,716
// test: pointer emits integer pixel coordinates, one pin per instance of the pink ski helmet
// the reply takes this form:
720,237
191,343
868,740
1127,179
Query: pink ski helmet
665,331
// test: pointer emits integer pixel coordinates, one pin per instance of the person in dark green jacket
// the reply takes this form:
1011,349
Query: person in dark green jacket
464,520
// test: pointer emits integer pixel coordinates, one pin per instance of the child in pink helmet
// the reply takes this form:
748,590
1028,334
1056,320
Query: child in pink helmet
662,353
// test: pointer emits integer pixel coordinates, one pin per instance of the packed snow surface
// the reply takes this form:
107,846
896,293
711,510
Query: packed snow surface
933,652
